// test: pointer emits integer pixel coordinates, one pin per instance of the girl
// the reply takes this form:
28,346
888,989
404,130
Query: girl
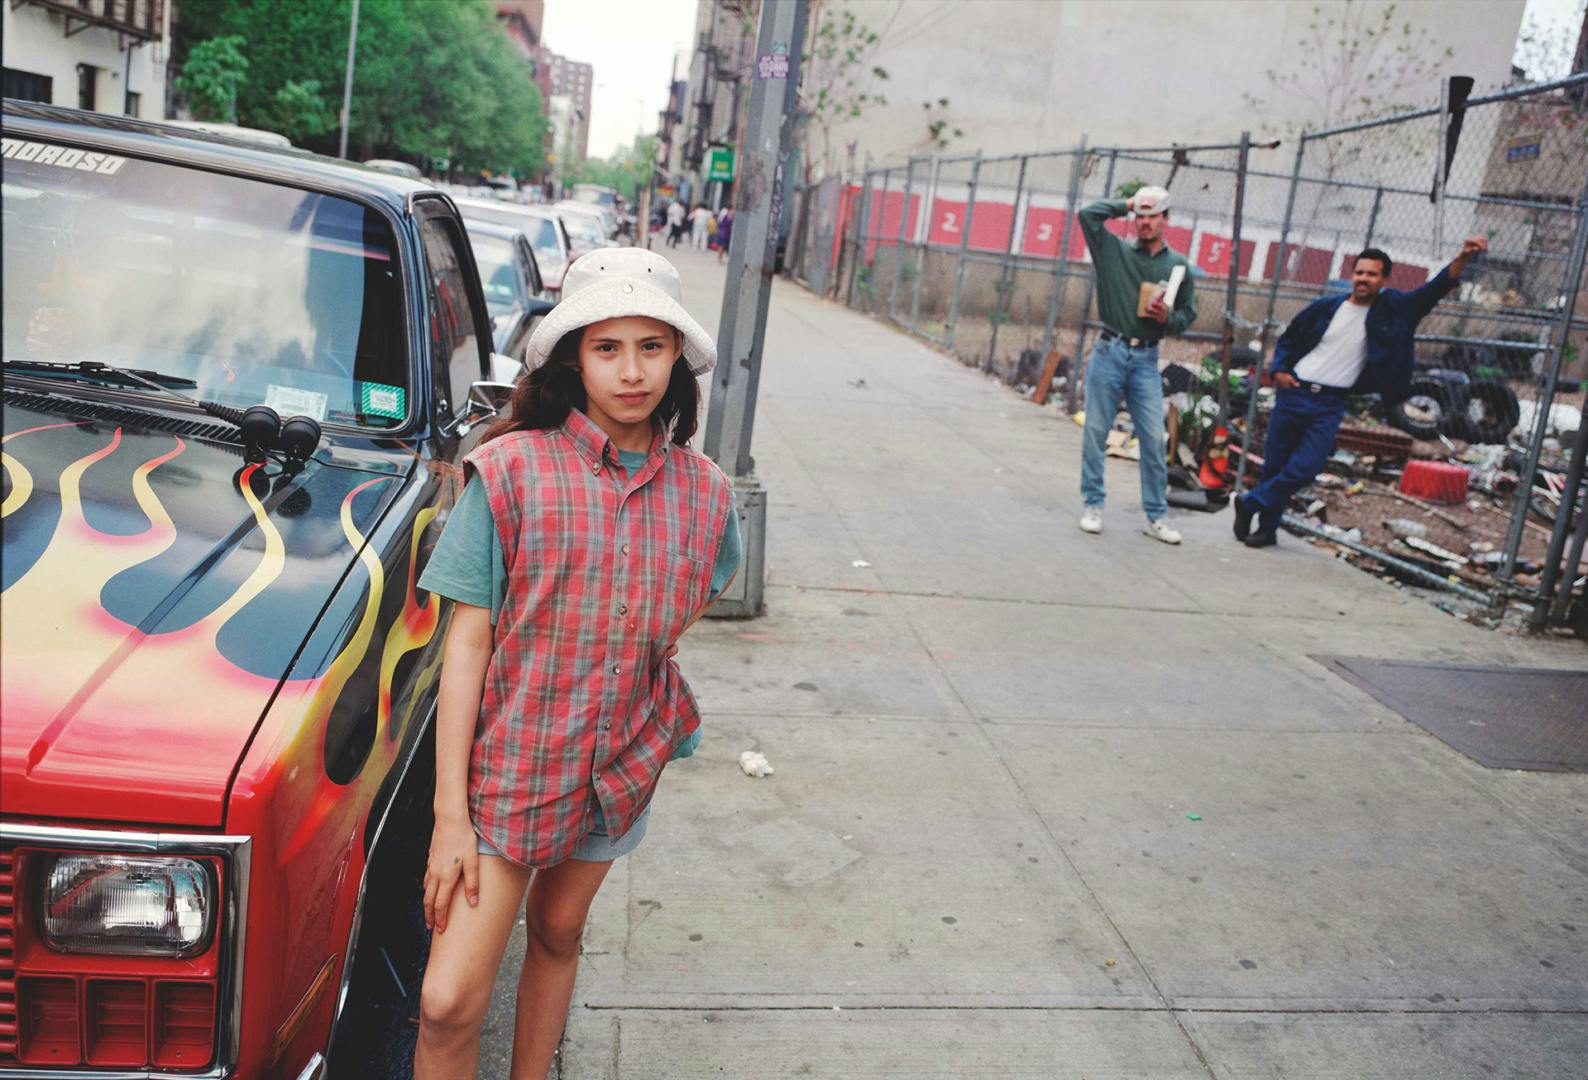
587,538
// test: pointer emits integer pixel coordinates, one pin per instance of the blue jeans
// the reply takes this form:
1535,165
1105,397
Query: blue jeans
1115,367
1301,433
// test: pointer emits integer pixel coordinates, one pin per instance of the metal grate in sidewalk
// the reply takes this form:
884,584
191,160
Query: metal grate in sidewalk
1505,718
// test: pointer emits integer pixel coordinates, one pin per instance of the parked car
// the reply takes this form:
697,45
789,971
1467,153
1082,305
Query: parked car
396,168
606,220
514,295
218,676
586,232
548,237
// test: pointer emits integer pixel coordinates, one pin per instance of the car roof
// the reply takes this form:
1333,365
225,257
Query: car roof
491,228
167,142
465,202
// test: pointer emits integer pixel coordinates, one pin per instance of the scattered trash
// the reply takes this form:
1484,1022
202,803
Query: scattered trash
1193,817
860,564
1417,543
1401,528
859,384
1110,962
1123,445
754,763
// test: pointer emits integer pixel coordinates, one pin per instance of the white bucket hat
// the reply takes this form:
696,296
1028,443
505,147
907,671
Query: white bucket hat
610,283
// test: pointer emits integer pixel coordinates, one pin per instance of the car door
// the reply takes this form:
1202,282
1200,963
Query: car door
457,325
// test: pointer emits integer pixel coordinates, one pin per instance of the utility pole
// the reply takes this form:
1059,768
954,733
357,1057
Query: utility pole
347,85
762,171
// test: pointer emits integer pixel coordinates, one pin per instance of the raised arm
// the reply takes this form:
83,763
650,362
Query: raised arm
1422,299
1099,240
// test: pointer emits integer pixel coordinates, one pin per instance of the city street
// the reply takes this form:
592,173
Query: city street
1055,805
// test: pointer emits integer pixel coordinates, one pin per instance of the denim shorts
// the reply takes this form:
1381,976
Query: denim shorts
597,846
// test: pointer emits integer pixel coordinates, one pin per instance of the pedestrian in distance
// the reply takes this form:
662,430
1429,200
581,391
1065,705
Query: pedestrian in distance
724,232
587,538
675,223
1134,305
1337,346
700,226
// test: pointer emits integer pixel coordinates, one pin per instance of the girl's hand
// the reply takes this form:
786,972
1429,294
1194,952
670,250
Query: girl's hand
453,851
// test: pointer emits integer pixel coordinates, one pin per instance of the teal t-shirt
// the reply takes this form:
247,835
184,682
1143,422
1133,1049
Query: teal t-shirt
468,564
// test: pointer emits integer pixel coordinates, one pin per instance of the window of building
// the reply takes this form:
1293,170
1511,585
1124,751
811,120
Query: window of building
87,77
26,86
134,103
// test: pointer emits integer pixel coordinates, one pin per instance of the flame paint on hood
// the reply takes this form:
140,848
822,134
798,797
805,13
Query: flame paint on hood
157,595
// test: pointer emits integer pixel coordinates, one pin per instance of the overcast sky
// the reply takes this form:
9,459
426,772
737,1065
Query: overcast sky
632,44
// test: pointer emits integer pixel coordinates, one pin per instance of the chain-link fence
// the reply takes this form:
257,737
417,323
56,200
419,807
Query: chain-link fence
985,258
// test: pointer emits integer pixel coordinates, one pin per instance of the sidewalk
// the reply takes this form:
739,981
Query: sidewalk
1054,805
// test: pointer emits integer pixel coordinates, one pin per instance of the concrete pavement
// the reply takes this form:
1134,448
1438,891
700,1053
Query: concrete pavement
1053,805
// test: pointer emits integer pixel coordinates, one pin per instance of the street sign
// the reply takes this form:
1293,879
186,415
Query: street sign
719,166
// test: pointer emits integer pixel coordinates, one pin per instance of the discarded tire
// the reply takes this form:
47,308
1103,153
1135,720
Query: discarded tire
1491,412
1426,409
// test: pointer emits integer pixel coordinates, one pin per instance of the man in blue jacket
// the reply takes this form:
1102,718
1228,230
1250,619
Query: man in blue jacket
1335,347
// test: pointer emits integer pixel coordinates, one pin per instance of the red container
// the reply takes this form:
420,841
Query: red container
1435,481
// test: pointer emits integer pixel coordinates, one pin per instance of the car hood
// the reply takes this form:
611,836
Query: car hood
156,591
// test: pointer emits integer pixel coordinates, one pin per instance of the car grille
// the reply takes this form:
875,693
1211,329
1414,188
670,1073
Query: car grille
8,960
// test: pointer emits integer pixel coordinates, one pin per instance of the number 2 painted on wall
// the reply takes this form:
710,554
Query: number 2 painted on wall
950,221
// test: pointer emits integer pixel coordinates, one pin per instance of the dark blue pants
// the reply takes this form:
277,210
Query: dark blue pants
1301,433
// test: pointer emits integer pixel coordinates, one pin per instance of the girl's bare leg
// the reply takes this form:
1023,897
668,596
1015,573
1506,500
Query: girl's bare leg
462,972
559,901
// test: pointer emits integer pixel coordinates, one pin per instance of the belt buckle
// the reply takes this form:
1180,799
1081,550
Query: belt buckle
1315,388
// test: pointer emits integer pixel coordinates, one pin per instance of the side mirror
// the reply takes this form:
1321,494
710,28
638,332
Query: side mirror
486,399
504,369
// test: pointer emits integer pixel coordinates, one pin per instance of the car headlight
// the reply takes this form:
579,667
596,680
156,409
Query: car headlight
146,905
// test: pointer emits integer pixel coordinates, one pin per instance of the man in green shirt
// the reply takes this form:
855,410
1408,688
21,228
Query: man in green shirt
1131,305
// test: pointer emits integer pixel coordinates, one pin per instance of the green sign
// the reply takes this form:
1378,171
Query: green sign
719,166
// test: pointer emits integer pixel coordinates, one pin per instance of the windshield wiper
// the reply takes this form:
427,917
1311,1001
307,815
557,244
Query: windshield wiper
263,431
95,369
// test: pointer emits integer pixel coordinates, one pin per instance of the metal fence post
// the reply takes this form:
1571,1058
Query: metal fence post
1061,272
1233,279
1551,606
1273,305
1372,218
921,245
1077,398
1002,290
959,260
898,246
1524,488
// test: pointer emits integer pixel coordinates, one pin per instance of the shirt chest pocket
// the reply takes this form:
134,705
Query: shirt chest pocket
671,583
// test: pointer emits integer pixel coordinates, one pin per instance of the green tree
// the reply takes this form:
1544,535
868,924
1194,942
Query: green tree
431,80
626,171
842,80
210,78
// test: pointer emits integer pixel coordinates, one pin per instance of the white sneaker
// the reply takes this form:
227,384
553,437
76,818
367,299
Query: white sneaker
1092,520
1159,530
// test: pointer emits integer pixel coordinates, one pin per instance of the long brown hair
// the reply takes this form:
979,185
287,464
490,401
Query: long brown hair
542,397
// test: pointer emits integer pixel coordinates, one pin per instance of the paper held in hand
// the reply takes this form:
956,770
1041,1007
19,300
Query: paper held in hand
1153,290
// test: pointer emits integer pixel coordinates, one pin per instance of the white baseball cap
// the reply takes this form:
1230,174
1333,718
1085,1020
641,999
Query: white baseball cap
1155,198
610,283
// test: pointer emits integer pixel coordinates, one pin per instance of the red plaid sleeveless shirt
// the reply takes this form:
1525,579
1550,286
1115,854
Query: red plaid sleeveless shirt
604,571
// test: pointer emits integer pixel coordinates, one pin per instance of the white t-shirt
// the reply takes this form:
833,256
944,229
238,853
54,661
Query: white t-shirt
1338,358
675,214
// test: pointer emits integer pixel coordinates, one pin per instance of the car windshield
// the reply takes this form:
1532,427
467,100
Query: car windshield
259,293
505,287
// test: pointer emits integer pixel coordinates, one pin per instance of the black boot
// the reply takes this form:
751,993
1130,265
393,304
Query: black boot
1243,518
1263,538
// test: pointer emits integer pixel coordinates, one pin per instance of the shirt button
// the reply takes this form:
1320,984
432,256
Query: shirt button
625,549
623,609
616,670
595,466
